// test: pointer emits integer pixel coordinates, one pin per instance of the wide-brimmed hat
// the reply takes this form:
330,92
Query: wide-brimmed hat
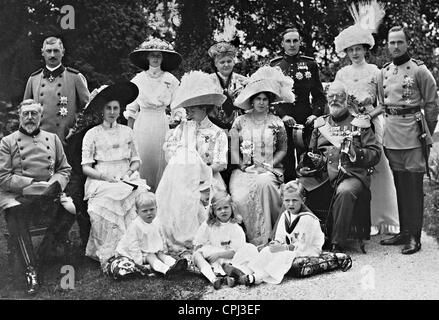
266,79
197,88
367,18
124,92
171,58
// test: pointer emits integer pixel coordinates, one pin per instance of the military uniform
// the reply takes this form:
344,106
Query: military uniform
350,209
25,159
305,73
62,93
404,86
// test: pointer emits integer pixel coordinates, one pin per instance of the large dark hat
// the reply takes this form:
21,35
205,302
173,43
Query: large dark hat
171,58
317,174
124,92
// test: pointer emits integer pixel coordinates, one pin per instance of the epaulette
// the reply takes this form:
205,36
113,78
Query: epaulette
386,64
320,121
72,70
307,57
36,72
275,60
418,62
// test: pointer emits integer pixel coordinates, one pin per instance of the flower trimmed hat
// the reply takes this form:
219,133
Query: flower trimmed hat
171,58
266,79
222,49
197,88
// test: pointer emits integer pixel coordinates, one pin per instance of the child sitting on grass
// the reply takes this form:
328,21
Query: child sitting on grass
216,242
143,242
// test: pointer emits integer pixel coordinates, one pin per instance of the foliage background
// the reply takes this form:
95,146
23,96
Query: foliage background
106,32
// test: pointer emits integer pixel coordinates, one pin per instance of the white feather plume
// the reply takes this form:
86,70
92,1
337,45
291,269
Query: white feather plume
368,15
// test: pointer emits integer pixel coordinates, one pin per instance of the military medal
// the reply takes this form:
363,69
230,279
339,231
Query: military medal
395,71
51,78
308,75
63,111
299,75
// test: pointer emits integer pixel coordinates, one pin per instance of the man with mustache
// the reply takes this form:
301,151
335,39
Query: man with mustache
305,73
32,162
404,85
63,93
347,152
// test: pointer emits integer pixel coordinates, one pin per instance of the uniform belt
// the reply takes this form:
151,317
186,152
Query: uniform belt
401,110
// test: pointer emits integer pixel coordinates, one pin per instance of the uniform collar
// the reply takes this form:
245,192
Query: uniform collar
291,59
32,134
340,118
401,59
51,74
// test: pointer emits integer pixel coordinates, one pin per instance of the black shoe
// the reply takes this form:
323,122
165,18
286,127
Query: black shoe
412,246
31,280
336,248
400,238
228,281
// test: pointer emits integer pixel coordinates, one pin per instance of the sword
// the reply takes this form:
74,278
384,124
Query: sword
422,138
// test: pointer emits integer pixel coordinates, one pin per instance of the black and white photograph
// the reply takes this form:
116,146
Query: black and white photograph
219,154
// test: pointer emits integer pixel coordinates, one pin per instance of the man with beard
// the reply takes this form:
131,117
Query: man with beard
347,152
63,93
305,73
33,171
404,85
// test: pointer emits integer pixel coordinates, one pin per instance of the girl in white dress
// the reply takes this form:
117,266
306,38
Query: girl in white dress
360,79
143,242
218,239
146,115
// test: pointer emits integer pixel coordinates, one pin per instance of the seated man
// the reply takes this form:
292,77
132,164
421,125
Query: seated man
347,152
32,159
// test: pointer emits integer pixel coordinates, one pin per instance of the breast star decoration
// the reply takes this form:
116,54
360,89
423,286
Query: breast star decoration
62,109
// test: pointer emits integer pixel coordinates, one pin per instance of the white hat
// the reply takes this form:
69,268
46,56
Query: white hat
197,88
367,18
266,79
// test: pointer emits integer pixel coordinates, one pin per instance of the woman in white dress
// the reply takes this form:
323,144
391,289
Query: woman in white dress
259,143
360,79
146,115
197,152
110,161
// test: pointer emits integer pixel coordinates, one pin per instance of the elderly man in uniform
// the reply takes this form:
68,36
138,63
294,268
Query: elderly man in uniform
63,93
305,73
347,152
404,85
32,159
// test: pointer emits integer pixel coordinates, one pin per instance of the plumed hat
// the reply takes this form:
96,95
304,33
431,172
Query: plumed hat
197,88
367,19
171,58
221,49
266,79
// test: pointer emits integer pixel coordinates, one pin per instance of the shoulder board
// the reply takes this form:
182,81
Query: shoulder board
307,57
320,121
72,70
275,60
386,64
418,62
36,72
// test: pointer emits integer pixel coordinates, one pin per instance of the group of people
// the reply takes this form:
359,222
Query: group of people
254,175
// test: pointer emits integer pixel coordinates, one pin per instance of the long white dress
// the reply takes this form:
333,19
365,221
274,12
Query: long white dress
110,205
191,148
151,122
361,81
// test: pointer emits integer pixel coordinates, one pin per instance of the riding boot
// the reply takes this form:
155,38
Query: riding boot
17,224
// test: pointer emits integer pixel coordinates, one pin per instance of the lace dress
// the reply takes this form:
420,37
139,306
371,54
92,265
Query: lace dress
191,148
257,196
110,205
151,122
361,81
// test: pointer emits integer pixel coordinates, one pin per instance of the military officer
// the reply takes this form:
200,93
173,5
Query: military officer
349,152
404,85
31,158
62,91
305,73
